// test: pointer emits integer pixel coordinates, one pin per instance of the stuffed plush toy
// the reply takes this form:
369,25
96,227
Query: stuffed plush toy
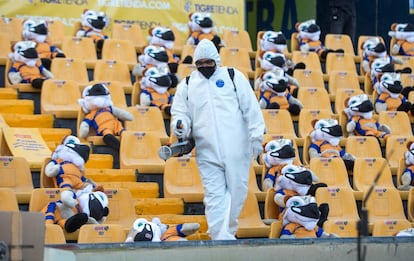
94,204
404,35
94,24
309,39
407,177
325,139
26,66
38,32
303,218
378,67
359,110
294,181
275,93
408,232
390,95
155,85
277,154
65,212
101,115
200,27
155,231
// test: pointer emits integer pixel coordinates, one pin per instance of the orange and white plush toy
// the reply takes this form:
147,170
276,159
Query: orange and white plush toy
26,66
404,35
38,32
94,24
101,115
407,176
152,56
201,26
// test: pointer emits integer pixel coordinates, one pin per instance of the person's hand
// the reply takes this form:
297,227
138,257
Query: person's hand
256,148
182,131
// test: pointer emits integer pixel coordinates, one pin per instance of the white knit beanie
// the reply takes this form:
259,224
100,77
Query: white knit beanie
206,50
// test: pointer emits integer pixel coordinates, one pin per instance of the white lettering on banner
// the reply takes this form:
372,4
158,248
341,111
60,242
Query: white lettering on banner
158,5
66,21
220,9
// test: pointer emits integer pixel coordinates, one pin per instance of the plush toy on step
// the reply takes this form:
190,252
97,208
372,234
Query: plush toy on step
100,115
303,218
155,231
201,26
407,176
325,138
274,89
65,212
38,32
94,24
359,110
26,66
309,39
404,36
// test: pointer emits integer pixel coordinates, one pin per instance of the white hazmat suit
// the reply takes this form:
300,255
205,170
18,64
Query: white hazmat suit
226,122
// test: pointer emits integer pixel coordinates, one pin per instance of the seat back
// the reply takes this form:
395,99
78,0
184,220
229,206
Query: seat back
308,78
57,32
340,62
185,70
43,196
310,59
236,57
342,79
342,228
306,116
314,98
5,48
341,201
121,207
398,121
81,48
237,39
109,174
410,205
101,233
366,170
119,50
339,41
9,200
408,61
278,122
19,106
341,95
363,146
70,69
395,148
384,203
117,92
331,171
12,27
131,32
389,228
54,234
113,70
187,50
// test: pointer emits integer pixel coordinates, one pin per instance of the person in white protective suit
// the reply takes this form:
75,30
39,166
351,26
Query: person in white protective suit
224,119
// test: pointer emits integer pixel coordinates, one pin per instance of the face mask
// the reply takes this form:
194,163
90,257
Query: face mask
207,71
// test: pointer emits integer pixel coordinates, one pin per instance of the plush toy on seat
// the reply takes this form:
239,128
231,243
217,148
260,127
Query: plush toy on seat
407,176
155,231
95,205
303,218
26,66
309,39
101,115
359,110
155,85
325,138
404,36
38,32
94,24
200,27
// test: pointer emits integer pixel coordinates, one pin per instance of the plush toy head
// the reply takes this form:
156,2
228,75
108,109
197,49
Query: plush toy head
274,81
76,153
270,60
374,47
327,130
157,79
70,139
144,230
35,31
94,19
161,36
277,152
359,105
154,55
391,84
296,178
273,41
95,97
302,210
25,52
402,31
308,30
380,66
200,22
95,205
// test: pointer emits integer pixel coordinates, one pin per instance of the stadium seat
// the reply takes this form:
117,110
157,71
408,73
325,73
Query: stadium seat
56,34
117,92
305,119
54,234
342,228
139,150
121,207
339,41
408,61
12,27
253,186
60,98
366,171
331,171
238,39
182,179
9,199
294,42
398,121
5,48
363,147
389,228
341,95
70,69
340,62
275,229
15,174
18,106
407,79
271,209
310,59
395,148
185,69
159,206
120,50
410,205
101,233
16,120
238,58
8,93
314,98
113,70
273,120
110,175
342,80
179,41
81,48
250,221
131,32
54,136
187,50
21,87
148,119
308,78
99,161
137,189
41,197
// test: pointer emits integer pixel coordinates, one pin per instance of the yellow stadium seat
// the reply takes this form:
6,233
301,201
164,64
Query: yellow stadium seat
250,221
120,50
70,69
54,136
81,48
113,70
308,78
398,121
341,95
158,206
271,209
19,106
331,171
363,146
9,199
139,150
389,228
117,92
41,197
148,119
340,62
182,179
99,161
56,34
5,48
306,116
294,42
395,148
273,120
131,32
179,41
121,207
16,120
7,93
410,205
314,98
342,80
137,189
54,234
15,174
275,229
60,98
187,50
21,87
12,27
110,175
238,58
238,39
408,61
367,169
340,41
342,228
185,69
407,79
101,233
310,59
